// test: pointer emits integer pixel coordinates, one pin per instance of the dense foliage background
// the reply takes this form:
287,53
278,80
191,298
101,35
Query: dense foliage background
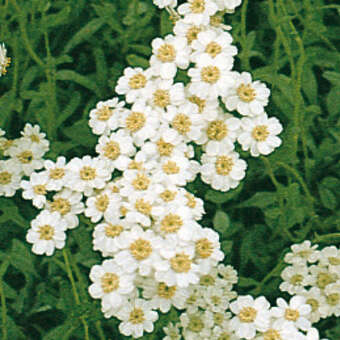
68,54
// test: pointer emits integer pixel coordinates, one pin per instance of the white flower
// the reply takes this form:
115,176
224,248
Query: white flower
86,174
141,122
228,5
223,333
105,117
198,11
208,108
168,54
35,189
9,178
196,325
112,284
47,233
315,298
189,31
172,332
134,84
136,316
223,171
245,96
332,305
279,330
4,60
259,134
33,134
165,3
228,273
213,44
211,77
251,315
321,277
296,278
215,299
296,313
330,256
56,173
26,155
302,253
162,297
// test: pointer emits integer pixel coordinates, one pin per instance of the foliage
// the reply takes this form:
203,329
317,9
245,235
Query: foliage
67,55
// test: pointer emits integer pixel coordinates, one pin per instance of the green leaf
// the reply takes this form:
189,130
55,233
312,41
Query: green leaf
221,221
260,200
136,61
81,134
166,24
328,199
227,246
247,282
333,77
22,259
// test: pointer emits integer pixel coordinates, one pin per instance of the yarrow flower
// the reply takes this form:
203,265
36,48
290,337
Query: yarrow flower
4,60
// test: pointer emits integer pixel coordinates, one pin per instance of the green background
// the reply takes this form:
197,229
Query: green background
68,55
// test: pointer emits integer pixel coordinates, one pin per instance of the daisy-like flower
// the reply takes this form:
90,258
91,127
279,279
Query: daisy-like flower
136,316
330,257
162,297
216,300
198,12
56,172
140,252
302,253
321,277
222,333
295,279
26,155
105,117
141,122
168,54
112,284
196,325
213,44
207,108
68,205
134,84
87,174
4,60
35,189
9,178
251,316
315,298
172,332
279,330
247,97
332,305
47,233
165,3
295,313
187,30
211,77
116,149
33,134
259,134
228,5
223,171
228,273
195,204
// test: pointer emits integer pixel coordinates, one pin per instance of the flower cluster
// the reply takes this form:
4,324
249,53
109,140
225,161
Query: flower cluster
21,157
4,60
314,274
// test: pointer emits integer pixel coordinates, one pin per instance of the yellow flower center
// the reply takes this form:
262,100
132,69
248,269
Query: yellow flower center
137,81
210,74
104,113
57,173
296,279
35,138
133,165
170,168
217,130
334,261
192,33
165,291
195,324
102,202
260,133
199,102
46,232
39,189
324,279
171,223
164,149
213,49
136,316
109,282
25,157
197,6
313,303
181,263
191,203
217,19
143,207
272,334
204,248
247,314
141,182
224,165
135,121
224,336
181,123
166,53
5,178
333,299
87,173
218,318
61,205
246,93
207,280
291,314
161,98
123,211
168,196
141,249
113,230
111,150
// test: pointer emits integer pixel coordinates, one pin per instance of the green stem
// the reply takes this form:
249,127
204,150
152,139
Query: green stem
74,289
245,55
100,330
326,238
3,312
